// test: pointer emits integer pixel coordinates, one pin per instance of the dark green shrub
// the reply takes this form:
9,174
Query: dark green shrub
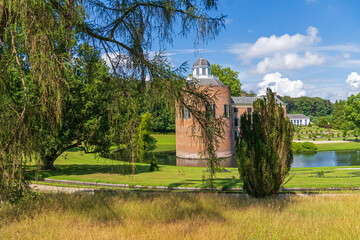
264,151
153,165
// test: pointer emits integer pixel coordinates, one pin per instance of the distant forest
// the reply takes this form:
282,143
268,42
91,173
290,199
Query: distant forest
310,106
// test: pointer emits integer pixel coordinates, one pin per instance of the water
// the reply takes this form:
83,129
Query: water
327,159
319,159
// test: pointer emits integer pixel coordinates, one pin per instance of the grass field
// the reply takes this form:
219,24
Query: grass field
338,146
180,216
168,143
77,166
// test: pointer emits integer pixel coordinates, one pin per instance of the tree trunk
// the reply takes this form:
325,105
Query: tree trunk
48,163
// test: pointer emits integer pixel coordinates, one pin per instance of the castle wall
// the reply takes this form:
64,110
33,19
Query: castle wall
188,143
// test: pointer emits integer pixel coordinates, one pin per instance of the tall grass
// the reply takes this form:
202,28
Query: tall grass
180,216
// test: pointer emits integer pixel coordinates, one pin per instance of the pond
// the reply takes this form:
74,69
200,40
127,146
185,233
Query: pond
327,159
318,159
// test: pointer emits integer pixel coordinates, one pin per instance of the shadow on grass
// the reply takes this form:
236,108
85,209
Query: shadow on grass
85,169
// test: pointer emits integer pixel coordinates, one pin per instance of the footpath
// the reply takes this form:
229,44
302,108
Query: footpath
108,187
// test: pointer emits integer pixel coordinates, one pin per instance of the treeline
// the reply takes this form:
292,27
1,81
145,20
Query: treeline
309,106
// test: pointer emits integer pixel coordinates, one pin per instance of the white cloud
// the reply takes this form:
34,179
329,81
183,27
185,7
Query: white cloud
265,46
228,20
353,79
289,61
281,85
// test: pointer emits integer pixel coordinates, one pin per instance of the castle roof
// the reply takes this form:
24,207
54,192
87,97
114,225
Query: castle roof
208,81
244,100
201,62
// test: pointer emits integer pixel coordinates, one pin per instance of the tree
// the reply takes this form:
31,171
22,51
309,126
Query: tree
323,122
43,44
264,151
228,77
309,106
145,142
85,111
352,113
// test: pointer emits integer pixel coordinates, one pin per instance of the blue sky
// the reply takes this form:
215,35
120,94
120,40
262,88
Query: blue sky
298,47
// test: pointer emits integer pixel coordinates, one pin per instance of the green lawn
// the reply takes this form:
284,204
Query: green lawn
77,166
166,142
338,146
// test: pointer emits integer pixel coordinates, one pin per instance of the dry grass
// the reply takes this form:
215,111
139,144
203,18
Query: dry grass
181,216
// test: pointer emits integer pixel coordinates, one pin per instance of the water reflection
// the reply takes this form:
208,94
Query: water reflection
327,159
319,159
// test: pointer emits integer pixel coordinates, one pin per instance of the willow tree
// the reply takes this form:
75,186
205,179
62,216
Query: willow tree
264,148
38,48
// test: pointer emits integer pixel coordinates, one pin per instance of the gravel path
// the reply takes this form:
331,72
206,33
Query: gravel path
46,188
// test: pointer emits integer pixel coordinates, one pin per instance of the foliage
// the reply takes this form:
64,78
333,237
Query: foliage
309,146
228,77
309,106
264,151
323,122
41,46
303,147
339,119
85,111
35,49
352,113
145,142
153,165
296,146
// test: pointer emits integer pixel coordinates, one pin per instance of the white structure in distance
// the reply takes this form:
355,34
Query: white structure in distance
299,119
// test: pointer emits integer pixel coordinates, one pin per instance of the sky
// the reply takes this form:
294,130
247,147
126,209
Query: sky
296,47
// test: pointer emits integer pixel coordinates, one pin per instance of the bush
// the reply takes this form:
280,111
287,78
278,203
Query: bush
303,147
264,152
296,147
309,146
327,126
153,165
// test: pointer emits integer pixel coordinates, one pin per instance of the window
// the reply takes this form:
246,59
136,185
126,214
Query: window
236,135
235,110
226,111
210,110
197,72
236,121
249,110
186,113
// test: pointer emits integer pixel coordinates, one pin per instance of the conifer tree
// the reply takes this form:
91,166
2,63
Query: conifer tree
264,148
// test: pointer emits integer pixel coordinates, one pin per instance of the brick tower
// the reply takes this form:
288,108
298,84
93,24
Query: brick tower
188,147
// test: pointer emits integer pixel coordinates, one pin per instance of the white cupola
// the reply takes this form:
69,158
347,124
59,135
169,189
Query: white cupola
201,67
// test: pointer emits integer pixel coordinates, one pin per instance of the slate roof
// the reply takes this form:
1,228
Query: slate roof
249,100
297,116
201,62
210,81
243,100
205,80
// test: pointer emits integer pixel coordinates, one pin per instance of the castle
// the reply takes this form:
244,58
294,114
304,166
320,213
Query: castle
188,147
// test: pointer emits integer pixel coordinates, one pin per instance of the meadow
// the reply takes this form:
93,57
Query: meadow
130,215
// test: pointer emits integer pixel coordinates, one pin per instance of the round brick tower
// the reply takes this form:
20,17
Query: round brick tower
188,145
